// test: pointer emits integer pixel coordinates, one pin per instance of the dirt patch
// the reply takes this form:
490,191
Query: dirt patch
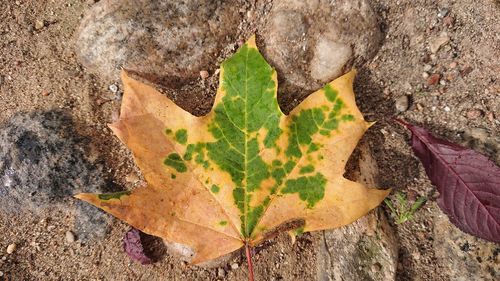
39,71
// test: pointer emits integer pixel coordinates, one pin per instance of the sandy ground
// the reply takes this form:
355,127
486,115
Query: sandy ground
39,71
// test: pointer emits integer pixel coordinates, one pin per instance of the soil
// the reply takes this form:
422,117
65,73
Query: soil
39,71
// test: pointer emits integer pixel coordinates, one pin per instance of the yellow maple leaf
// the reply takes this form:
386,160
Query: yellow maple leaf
231,178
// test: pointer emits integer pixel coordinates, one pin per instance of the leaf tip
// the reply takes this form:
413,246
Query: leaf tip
251,42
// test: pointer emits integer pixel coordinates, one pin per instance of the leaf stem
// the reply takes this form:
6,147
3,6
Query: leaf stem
248,251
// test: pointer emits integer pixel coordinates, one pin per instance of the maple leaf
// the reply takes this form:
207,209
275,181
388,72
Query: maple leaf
230,178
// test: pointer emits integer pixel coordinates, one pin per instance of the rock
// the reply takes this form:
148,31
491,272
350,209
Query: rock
436,43
11,248
39,24
464,257
474,113
235,266
113,88
43,163
70,237
166,42
221,272
364,250
312,43
402,103
433,79
443,12
204,74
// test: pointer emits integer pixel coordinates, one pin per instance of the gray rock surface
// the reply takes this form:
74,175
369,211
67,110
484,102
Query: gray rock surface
463,256
364,250
43,163
166,42
313,42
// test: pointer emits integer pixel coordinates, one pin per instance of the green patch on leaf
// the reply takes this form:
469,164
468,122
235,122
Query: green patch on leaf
310,189
175,161
306,169
215,188
223,223
181,136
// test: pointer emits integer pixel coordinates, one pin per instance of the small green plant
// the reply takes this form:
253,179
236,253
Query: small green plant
403,212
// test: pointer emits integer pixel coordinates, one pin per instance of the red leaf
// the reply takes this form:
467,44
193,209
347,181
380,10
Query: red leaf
468,183
132,245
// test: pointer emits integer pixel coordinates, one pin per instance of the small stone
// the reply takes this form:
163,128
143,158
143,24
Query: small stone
491,116
204,74
448,21
402,103
39,24
221,272
11,248
427,67
474,113
447,109
443,12
70,237
235,266
433,79
1,273
453,65
425,75
442,82
436,43
419,107
113,88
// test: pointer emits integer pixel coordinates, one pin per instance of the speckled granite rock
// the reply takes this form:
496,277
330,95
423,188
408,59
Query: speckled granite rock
166,42
313,42
364,250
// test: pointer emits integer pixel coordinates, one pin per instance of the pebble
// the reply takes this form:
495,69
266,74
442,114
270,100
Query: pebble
425,75
402,103
235,266
70,237
433,79
113,88
443,12
447,109
39,24
436,43
453,65
11,248
491,116
474,113
221,272
204,74
427,67
448,21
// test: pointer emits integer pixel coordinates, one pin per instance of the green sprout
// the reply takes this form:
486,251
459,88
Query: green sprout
403,211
